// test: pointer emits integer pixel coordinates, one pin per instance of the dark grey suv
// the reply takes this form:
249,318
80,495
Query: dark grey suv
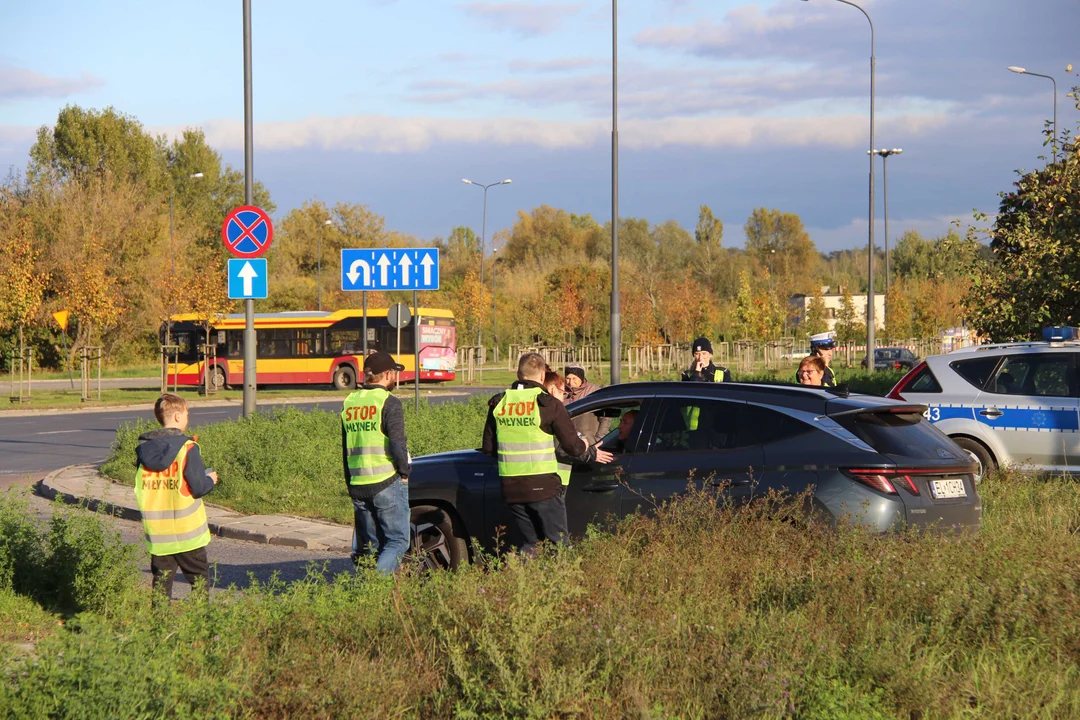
871,460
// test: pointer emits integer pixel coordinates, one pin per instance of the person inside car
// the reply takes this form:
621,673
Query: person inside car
626,424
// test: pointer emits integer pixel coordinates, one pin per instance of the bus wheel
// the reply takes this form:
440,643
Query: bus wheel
217,377
344,378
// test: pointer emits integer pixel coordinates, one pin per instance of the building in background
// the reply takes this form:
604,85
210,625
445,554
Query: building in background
799,304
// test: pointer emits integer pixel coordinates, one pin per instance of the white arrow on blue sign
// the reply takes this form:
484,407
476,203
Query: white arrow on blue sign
247,279
390,269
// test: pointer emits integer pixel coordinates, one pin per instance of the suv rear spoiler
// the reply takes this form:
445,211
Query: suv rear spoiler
879,410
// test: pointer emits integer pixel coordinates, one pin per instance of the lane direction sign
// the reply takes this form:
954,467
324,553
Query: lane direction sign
247,231
390,269
247,279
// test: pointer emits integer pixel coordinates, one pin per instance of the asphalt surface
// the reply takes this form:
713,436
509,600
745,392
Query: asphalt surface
35,445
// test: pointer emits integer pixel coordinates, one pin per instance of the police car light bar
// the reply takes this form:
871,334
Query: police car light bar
1059,333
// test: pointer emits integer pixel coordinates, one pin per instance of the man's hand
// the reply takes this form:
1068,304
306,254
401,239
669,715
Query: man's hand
603,456
213,476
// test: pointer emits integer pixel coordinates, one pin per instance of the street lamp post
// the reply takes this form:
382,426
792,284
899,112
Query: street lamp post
884,155
483,238
870,314
1023,71
325,224
495,301
616,319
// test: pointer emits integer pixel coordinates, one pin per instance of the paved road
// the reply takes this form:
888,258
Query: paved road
38,444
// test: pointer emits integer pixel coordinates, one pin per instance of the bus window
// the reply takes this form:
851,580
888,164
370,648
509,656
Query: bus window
187,347
234,341
388,338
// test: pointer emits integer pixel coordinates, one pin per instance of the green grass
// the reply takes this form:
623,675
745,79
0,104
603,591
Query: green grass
141,370
289,461
697,612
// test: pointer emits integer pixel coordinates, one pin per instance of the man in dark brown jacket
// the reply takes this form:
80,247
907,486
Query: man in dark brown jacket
591,426
522,426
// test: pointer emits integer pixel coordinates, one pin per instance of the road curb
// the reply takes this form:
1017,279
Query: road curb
105,495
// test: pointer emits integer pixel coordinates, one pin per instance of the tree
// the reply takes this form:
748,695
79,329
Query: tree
24,285
899,315
816,322
780,243
849,327
1033,279
746,311
708,235
102,144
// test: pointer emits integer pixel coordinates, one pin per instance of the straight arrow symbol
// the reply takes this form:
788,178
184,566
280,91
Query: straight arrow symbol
384,267
405,264
247,274
427,262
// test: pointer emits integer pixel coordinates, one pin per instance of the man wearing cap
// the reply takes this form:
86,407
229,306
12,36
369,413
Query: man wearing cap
702,368
377,464
522,426
823,345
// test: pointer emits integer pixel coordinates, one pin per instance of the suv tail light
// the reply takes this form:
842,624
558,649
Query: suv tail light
905,381
886,480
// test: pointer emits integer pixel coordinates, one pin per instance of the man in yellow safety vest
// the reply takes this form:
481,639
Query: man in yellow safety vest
377,464
169,481
522,426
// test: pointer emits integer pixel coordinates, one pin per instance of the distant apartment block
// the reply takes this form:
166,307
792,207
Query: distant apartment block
799,304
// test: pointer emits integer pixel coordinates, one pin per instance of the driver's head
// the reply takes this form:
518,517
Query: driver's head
626,423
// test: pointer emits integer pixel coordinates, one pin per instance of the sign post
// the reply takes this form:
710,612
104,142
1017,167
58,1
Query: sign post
61,318
416,351
247,233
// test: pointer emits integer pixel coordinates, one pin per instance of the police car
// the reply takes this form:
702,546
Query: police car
1012,404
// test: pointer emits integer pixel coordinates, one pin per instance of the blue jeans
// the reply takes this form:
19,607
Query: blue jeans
382,526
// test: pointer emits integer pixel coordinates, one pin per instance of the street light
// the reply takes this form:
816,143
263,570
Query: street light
870,315
483,238
884,155
327,222
495,300
1022,71
616,304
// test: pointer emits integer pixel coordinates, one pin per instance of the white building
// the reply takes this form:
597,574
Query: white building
799,304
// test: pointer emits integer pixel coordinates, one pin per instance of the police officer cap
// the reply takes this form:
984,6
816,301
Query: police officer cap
703,344
824,341
379,362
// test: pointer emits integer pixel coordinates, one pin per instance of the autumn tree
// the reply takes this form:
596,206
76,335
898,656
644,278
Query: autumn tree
24,285
816,320
1033,279
849,326
899,312
780,244
708,251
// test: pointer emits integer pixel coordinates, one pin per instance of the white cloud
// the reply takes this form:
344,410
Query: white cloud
531,19
18,83
383,134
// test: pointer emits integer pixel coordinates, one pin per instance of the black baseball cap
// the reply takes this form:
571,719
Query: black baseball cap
379,362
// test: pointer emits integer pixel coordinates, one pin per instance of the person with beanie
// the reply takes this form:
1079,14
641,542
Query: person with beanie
702,368
577,386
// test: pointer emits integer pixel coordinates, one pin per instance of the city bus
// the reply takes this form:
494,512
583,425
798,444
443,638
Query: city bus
307,348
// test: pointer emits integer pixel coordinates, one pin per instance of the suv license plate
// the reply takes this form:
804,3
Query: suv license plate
950,488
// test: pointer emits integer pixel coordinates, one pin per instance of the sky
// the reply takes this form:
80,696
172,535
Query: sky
729,103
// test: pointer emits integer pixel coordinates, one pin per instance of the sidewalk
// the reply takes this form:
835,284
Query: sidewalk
79,483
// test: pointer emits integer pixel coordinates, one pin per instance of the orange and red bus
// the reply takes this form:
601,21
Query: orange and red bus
301,348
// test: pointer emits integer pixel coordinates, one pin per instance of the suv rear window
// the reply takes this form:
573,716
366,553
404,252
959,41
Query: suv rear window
976,370
923,382
907,434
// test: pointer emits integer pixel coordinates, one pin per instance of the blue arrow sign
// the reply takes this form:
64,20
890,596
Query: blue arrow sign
390,269
247,279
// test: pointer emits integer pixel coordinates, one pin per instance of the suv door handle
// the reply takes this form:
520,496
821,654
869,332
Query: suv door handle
991,413
597,487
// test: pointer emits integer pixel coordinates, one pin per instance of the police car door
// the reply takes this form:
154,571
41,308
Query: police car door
1031,407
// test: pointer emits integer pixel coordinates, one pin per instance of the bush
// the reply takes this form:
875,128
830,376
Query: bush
76,564
289,461
695,612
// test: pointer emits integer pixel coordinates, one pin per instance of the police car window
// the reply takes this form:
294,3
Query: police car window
692,424
976,370
1040,375
924,382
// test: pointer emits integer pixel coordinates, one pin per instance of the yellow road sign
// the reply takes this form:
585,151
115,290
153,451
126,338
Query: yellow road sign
61,318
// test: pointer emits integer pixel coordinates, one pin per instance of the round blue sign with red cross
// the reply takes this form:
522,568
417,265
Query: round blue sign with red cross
247,231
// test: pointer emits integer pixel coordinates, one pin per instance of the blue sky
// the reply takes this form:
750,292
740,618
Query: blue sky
726,102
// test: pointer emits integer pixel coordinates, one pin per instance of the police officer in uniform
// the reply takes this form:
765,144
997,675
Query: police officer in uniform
522,426
823,345
377,464
702,368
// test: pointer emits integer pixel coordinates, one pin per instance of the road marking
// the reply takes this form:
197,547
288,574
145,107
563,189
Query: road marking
57,432
212,412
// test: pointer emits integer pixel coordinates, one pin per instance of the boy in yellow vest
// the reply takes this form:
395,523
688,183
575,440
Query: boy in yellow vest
169,482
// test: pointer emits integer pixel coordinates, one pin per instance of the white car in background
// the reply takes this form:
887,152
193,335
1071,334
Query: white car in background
1015,404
